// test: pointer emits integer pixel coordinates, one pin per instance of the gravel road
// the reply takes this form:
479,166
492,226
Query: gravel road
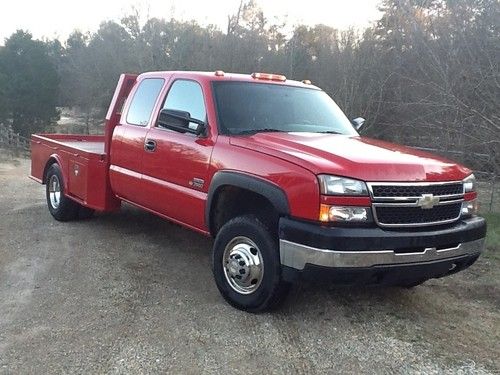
131,293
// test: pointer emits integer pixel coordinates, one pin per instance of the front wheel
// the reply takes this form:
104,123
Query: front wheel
246,265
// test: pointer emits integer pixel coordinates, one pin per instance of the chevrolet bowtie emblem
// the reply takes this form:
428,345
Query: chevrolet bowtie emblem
427,201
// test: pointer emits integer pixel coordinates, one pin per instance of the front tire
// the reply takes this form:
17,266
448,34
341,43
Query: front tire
61,207
246,265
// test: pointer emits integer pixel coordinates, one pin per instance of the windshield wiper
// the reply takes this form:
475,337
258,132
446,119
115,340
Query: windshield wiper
329,132
253,131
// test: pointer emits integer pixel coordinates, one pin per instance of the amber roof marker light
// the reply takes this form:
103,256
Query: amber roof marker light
269,77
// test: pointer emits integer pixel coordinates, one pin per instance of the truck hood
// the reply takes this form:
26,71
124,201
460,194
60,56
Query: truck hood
357,157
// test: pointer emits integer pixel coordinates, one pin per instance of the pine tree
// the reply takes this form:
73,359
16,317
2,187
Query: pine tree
29,87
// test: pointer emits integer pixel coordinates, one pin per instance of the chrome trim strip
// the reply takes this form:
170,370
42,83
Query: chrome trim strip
414,204
405,199
296,256
419,183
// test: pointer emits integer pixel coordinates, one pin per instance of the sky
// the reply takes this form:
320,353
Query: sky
57,18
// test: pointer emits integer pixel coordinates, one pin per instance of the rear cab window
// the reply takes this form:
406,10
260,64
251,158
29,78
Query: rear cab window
143,102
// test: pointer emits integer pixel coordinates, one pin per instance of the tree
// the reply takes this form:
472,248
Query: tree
4,109
30,87
442,90
426,74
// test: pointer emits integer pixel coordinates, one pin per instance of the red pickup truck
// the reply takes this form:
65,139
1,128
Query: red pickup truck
277,174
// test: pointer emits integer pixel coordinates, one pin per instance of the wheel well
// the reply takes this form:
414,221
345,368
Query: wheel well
232,201
47,166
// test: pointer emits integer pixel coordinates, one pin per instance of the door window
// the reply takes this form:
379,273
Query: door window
144,100
186,96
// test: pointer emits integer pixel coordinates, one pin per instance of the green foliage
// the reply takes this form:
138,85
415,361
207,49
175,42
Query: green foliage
493,234
29,84
4,109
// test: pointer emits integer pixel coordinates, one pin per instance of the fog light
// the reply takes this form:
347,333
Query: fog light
348,213
469,208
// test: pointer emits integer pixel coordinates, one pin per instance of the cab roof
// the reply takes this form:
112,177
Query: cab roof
219,75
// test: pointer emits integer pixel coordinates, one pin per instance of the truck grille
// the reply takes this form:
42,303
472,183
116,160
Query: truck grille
400,204
381,191
416,215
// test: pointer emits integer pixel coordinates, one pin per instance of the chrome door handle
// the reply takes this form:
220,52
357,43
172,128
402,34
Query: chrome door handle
150,145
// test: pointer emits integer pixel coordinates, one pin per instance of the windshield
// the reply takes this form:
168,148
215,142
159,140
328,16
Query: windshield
247,108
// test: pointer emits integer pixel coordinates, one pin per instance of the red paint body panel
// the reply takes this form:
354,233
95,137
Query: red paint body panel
356,157
83,165
174,180
470,196
126,154
346,201
168,175
299,184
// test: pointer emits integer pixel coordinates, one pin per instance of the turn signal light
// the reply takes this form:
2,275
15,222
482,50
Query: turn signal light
269,77
344,214
324,213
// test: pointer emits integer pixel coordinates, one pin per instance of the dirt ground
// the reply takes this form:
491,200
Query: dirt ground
131,293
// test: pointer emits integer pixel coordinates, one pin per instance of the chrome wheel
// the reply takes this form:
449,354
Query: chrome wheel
54,191
243,265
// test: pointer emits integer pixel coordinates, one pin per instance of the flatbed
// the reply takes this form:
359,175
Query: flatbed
83,164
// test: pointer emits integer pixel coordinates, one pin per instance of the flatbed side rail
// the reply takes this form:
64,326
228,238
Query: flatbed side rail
58,142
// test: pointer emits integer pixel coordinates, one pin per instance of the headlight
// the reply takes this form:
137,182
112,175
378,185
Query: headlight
470,183
333,185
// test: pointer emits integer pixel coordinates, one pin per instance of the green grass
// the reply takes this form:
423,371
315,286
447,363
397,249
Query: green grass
493,235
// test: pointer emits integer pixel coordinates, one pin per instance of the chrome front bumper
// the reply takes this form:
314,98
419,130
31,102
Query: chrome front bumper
296,256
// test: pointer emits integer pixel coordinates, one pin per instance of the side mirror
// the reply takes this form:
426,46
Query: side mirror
181,121
358,122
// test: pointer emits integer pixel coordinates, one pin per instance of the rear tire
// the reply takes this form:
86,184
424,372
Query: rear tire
246,265
61,207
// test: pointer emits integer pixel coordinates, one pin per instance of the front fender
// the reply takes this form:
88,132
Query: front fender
267,189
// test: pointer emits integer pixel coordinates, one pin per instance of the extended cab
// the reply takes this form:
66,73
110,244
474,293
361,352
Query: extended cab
275,171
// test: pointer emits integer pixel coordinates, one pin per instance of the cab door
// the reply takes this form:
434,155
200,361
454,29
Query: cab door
175,165
129,136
